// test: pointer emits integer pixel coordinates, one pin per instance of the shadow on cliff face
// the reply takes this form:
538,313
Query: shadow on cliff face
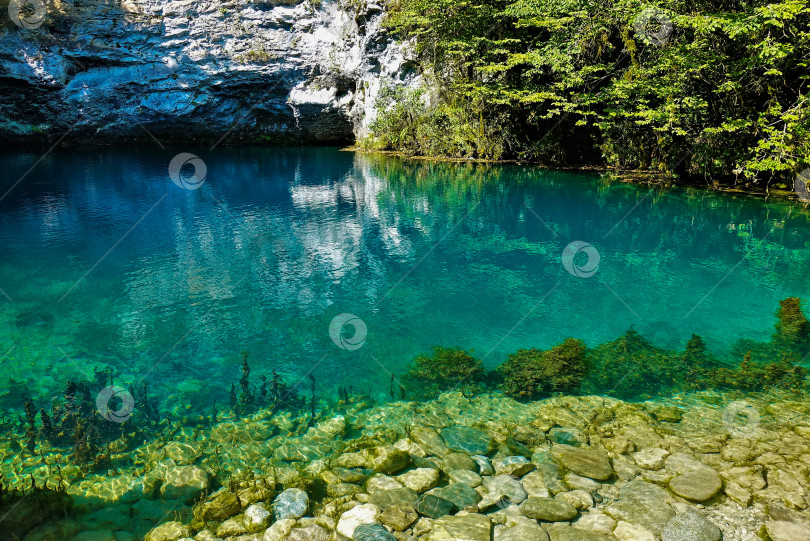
174,72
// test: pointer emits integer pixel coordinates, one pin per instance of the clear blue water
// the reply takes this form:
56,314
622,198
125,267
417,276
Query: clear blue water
105,263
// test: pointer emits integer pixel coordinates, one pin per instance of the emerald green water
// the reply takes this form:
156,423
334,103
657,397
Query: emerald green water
108,264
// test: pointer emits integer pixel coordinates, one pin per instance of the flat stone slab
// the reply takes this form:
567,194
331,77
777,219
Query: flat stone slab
697,486
468,440
590,463
548,510
460,494
691,526
471,527
434,506
387,499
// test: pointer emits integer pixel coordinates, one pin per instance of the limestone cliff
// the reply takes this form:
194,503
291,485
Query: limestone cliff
181,70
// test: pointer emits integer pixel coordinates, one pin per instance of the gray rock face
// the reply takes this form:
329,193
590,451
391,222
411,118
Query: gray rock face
267,70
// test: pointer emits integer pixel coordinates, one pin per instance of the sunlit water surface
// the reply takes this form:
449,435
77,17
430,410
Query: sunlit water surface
105,263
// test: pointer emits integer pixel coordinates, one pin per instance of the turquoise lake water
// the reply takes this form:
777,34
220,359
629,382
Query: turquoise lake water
106,263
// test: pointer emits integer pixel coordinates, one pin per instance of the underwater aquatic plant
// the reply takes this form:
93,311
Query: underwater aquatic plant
754,376
792,327
274,393
631,367
23,510
445,369
530,373
697,364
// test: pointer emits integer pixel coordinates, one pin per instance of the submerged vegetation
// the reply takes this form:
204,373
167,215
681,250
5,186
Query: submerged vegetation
629,367
706,89
447,368
531,373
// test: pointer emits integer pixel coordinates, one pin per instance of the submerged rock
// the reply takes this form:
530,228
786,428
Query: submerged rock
548,510
691,526
434,506
591,463
372,532
697,486
292,503
184,483
471,527
468,440
523,532
399,518
356,516
224,505
168,531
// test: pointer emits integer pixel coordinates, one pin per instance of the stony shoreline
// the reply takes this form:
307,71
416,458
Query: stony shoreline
704,466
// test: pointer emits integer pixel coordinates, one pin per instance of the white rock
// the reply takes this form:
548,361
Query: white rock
420,479
651,458
351,519
630,532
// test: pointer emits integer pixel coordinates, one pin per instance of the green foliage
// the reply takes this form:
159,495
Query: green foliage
408,123
531,373
722,96
446,369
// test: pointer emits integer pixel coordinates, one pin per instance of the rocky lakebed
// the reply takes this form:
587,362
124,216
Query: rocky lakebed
697,467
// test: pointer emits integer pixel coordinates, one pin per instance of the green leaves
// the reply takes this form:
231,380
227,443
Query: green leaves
698,88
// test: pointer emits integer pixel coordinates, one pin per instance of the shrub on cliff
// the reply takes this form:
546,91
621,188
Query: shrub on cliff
531,373
446,369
